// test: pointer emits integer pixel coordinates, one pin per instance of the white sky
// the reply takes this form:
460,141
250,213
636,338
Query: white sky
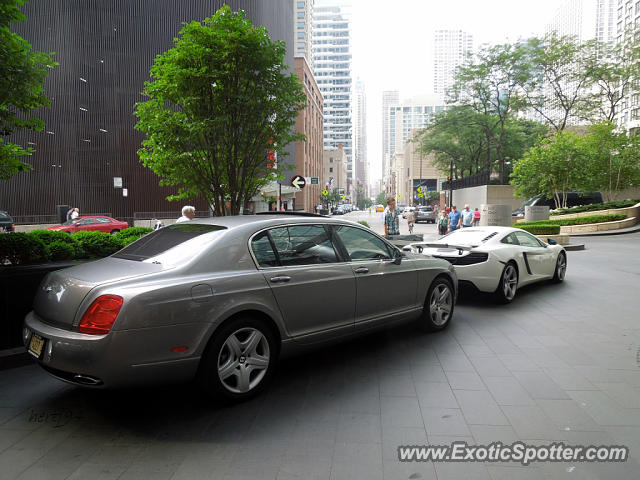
392,44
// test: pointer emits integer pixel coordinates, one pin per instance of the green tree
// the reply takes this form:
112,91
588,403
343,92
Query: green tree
381,198
554,167
490,83
218,101
455,136
613,160
22,74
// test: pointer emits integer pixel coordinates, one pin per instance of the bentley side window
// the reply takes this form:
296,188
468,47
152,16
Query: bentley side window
362,245
303,245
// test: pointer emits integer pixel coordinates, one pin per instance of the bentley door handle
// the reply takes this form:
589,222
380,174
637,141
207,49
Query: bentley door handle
280,279
361,270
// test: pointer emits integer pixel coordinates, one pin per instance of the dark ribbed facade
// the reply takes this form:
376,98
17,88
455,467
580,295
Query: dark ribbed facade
105,49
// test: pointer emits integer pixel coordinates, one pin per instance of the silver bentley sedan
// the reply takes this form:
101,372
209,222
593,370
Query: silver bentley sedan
220,299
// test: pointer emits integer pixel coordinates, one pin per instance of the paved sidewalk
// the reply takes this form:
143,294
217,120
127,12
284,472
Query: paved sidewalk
558,364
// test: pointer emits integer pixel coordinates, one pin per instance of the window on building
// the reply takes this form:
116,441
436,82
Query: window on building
300,14
300,4
330,169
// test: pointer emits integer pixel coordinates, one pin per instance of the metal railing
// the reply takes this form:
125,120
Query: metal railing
172,214
472,181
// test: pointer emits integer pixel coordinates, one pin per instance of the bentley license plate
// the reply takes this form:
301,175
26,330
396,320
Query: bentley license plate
35,345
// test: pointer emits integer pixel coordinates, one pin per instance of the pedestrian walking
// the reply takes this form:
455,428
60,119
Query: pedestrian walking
411,220
467,216
455,219
476,217
443,223
391,218
188,212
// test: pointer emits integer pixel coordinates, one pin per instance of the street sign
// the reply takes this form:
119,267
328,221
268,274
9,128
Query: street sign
298,181
399,197
117,182
125,192
343,197
325,192
314,181
420,195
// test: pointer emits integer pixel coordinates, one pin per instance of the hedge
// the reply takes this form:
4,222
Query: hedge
596,206
362,222
41,246
541,229
563,222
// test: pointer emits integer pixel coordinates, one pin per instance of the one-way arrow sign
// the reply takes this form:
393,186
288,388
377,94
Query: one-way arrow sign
298,181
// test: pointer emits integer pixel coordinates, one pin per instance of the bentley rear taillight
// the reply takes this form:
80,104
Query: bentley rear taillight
99,317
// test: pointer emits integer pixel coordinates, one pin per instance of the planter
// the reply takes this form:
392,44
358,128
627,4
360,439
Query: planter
18,286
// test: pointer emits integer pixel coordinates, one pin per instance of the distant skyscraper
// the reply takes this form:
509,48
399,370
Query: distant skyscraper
451,48
360,162
389,97
585,19
403,118
332,70
303,29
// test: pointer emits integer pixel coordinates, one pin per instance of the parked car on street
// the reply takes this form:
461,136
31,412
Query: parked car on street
98,223
573,200
6,222
498,260
219,299
425,214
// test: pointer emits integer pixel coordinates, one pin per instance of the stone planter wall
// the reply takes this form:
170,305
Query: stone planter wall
599,227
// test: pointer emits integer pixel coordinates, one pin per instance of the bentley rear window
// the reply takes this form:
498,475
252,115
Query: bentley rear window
164,239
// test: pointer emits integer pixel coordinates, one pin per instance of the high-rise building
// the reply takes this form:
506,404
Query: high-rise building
303,30
585,19
309,153
360,161
404,118
332,70
451,48
628,17
389,97
105,49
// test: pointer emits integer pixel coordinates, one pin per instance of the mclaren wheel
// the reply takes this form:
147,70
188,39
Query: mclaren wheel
508,285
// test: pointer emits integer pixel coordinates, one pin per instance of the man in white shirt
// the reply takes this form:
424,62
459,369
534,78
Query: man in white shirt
188,212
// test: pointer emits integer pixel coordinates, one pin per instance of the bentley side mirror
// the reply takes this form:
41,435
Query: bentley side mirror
551,241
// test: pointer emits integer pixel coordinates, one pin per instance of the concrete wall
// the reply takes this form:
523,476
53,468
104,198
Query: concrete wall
486,194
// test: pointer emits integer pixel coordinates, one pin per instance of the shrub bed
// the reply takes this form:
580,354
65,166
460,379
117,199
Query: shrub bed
41,246
541,229
576,221
596,206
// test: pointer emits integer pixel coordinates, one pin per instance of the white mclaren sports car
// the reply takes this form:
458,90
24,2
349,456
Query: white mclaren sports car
497,260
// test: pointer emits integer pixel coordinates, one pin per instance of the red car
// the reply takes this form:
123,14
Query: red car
98,223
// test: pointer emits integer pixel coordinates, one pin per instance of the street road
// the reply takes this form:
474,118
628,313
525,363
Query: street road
561,363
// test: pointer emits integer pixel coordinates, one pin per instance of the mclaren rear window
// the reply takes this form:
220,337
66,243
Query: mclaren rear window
155,243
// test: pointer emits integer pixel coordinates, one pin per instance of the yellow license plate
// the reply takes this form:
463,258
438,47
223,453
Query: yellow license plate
35,345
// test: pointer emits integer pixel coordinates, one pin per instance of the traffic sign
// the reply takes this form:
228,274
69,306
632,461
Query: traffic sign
343,197
325,192
314,180
420,195
298,181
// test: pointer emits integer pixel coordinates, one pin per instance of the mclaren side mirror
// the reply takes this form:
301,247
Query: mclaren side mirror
551,241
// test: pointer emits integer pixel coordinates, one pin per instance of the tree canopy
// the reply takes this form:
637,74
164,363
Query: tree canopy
22,74
219,101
